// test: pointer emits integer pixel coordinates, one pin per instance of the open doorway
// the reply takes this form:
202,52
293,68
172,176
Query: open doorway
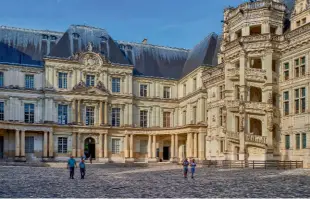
166,153
90,147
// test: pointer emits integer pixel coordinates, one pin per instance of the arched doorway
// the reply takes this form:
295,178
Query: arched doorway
90,147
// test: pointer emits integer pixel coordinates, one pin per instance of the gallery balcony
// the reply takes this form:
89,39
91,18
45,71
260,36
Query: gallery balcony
256,140
233,73
255,74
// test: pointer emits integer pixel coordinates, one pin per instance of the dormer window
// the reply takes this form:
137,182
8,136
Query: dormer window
122,46
53,38
129,47
45,37
103,39
76,35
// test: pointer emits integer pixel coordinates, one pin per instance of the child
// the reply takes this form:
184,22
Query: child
82,168
185,167
193,166
71,164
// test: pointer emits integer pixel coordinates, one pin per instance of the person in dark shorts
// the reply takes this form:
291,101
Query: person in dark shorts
82,168
193,167
185,167
71,164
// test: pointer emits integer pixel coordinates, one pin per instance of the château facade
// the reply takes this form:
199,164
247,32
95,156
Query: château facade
243,95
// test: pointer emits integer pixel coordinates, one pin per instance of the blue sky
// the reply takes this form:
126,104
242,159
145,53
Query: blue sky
177,23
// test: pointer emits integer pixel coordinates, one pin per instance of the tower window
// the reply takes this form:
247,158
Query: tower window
45,37
76,35
53,38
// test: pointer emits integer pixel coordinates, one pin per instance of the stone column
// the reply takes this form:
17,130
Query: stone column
74,144
149,147
17,144
189,145
73,108
172,148
100,112
51,145
78,144
22,144
154,146
195,145
106,145
126,146
176,147
45,140
131,146
100,145
105,112
79,111
201,147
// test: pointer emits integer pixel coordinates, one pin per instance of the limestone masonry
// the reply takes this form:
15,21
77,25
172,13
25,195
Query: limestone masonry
242,95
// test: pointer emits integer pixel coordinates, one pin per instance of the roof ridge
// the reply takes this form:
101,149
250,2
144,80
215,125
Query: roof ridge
154,45
86,26
31,30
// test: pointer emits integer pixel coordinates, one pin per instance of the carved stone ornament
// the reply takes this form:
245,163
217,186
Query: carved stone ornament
101,87
80,86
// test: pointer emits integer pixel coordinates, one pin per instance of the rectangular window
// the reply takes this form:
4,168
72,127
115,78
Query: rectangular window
286,103
1,79
29,81
116,85
300,100
29,144
62,145
184,117
297,141
194,84
222,146
298,23
304,20
90,116
194,114
62,114
286,71
29,113
287,142
90,80
184,90
166,121
237,124
143,119
2,111
116,146
143,146
62,80
143,90
221,116
237,93
116,118
167,92
304,140
300,67
222,92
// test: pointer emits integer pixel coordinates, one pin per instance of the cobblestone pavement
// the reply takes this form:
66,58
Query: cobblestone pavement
165,181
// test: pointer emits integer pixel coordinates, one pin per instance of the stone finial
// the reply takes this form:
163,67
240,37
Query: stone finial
90,47
144,41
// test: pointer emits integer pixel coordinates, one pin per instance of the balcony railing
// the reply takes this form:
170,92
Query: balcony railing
256,105
233,72
232,103
255,139
255,74
233,135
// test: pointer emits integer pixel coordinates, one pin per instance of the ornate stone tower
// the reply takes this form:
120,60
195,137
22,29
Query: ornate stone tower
301,14
250,53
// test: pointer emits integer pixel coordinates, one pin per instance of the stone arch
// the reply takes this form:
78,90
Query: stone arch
90,147
255,126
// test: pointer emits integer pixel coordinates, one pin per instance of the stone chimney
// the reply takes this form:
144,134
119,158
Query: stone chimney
144,41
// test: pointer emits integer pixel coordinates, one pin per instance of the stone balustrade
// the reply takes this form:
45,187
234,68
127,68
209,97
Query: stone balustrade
232,103
255,138
256,105
233,72
255,74
232,135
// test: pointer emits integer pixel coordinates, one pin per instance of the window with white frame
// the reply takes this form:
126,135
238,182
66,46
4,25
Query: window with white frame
29,144
167,92
286,103
1,111
62,114
116,85
116,118
1,79
29,81
90,115
286,71
300,100
90,80
62,144
62,80
29,113
300,67
116,146
143,118
143,90
166,119
143,146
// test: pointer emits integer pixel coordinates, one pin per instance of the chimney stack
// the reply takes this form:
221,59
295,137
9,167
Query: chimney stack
144,41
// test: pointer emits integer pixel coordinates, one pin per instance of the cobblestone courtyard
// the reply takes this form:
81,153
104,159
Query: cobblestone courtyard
166,181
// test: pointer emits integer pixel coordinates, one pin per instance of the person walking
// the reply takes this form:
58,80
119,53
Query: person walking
82,168
90,159
193,167
71,164
185,167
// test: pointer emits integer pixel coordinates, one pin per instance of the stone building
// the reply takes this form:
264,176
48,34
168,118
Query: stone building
238,96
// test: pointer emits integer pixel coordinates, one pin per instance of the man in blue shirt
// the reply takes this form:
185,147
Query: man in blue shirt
71,164
82,168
